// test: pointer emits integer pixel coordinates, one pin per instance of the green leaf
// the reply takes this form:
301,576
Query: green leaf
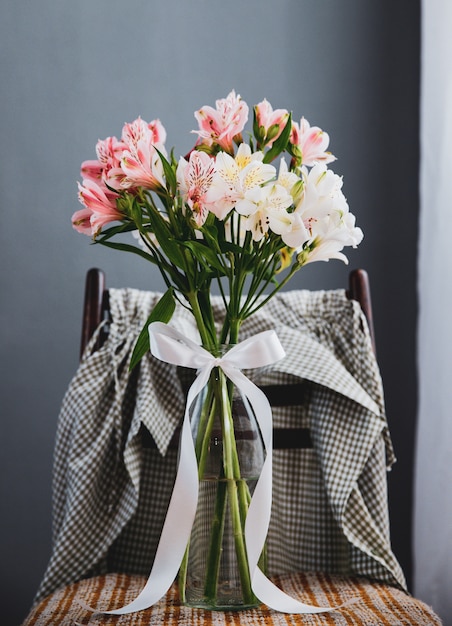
108,233
169,173
205,255
167,243
127,248
136,213
162,312
228,247
257,130
280,144
211,233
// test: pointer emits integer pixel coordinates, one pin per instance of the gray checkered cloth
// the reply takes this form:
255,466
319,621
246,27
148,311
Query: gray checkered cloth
329,509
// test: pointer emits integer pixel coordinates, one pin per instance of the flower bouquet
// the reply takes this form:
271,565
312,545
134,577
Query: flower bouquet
244,214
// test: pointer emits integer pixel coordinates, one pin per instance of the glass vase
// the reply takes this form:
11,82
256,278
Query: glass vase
230,452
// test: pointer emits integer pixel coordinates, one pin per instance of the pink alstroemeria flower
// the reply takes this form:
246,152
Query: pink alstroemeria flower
220,126
144,169
271,123
158,132
312,143
100,207
153,133
195,178
109,153
140,161
81,221
91,170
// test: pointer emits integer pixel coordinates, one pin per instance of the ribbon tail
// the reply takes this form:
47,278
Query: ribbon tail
280,601
179,518
259,511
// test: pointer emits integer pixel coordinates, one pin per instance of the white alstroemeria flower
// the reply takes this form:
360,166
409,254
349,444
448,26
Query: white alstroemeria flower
321,198
331,236
244,156
298,233
235,177
322,192
285,178
265,208
327,183
322,223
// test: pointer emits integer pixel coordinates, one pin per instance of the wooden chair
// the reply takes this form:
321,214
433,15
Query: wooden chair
377,602
96,309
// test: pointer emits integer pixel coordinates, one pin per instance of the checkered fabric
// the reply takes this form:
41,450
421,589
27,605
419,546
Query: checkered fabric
329,509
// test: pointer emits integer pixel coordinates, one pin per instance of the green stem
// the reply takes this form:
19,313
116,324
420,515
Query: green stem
204,321
182,578
253,307
217,381
216,539
236,496
206,422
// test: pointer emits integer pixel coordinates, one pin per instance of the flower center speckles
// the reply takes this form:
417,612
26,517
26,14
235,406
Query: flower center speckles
310,224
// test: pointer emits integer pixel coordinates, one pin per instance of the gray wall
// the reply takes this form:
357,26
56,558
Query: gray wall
72,72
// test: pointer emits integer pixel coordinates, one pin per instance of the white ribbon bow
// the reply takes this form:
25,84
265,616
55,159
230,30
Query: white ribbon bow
168,345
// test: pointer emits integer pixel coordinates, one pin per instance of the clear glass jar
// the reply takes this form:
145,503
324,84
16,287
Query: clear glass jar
230,452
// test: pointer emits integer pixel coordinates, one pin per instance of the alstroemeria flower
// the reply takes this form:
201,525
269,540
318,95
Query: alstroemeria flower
234,177
270,123
140,160
298,234
109,153
158,132
220,126
321,195
195,178
143,169
323,214
331,236
288,179
81,221
100,202
92,170
311,142
265,208
139,130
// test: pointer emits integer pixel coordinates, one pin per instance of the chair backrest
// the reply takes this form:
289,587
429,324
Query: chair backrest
96,309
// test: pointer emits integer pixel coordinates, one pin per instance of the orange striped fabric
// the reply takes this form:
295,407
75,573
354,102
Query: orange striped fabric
364,603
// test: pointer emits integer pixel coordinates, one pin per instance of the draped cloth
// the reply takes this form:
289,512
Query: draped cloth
329,512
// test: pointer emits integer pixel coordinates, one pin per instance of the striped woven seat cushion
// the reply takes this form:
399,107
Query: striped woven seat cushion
375,604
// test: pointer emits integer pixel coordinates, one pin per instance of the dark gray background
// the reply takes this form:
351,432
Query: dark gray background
73,72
